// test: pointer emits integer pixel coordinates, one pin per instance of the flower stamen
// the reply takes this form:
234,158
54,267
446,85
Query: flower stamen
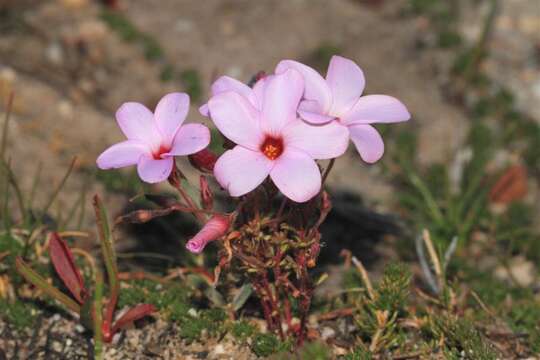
272,147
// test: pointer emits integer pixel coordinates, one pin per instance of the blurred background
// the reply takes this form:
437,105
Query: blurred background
466,167
469,72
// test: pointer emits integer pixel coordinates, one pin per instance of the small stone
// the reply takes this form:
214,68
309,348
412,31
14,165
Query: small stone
219,350
327,333
519,269
54,53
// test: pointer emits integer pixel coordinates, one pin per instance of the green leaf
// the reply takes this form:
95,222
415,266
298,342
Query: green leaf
243,295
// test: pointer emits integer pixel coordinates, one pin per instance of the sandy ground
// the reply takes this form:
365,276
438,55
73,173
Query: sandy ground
70,72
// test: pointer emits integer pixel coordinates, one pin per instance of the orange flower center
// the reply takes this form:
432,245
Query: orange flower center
272,147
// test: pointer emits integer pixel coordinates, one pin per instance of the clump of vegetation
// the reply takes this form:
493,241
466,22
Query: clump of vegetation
242,330
192,83
268,344
462,339
379,311
19,314
321,55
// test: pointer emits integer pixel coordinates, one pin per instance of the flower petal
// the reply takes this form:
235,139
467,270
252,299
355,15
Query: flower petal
311,112
318,141
346,81
368,142
171,111
123,154
241,170
282,94
226,83
258,90
236,119
137,123
153,171
190,139
203,109
215,228
316,87
376,109
296,175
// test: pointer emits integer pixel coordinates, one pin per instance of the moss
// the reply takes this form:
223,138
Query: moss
11,245
20,315
461,337
266,345
315,351
212,321
242,330
360,353
523,318
172,301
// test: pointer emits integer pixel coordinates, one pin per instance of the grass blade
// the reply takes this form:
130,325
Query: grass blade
35,279
109,256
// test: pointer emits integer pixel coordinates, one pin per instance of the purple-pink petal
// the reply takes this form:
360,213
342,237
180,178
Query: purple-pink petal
376,109
236,119
137,123
241,170
123,154
226,83
153,171
368,142
170,113
282,94
316,88
346,81
296,175
319,141
311,112
215,228
190,139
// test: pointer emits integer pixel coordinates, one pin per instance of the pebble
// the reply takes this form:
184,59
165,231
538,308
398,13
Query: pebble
327,333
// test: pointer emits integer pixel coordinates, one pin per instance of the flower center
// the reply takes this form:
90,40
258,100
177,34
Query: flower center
272,147
162,150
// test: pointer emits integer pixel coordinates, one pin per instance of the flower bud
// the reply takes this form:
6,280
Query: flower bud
203,160
207,198
215,228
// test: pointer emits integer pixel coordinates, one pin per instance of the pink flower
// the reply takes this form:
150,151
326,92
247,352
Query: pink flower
271,140
338,97
154,139
215,228
226,83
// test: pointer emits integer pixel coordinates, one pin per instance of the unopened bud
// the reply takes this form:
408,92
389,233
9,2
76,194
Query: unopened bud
258,76
215,228
203,160
207,198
